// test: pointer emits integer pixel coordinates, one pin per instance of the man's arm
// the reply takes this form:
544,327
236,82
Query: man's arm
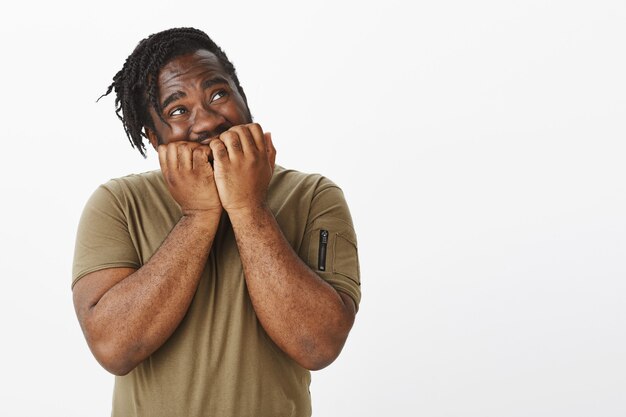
127,314
304,315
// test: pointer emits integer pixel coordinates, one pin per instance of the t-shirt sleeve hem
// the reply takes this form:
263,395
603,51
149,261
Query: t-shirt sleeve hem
350,288
87,271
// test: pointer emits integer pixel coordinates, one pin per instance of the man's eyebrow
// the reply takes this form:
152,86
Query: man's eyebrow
218,79
172,97
205,84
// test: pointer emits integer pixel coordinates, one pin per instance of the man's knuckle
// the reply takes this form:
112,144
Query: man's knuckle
171,179
228,135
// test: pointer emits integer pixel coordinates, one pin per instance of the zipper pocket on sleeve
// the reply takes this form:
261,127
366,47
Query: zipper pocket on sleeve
321,254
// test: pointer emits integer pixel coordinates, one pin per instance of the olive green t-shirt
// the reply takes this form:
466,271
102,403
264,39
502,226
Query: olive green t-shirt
219,361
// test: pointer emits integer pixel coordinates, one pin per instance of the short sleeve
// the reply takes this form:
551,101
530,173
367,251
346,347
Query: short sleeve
103,239
329,245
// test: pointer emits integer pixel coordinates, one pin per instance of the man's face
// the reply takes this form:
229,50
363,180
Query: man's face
198,100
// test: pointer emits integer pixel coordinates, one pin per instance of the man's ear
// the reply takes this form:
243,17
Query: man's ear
152,137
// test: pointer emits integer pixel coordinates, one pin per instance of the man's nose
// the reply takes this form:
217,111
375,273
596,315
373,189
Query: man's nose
207,123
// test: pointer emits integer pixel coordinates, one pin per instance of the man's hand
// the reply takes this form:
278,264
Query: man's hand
189,176
244,163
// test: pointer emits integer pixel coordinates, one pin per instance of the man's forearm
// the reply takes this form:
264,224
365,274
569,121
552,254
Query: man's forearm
303,314
137,315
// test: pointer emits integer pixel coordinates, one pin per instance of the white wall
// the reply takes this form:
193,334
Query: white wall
480,146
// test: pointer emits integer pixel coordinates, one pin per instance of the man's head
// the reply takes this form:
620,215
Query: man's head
163,61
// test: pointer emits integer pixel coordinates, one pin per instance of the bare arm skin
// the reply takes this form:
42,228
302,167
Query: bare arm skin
127,314
304,315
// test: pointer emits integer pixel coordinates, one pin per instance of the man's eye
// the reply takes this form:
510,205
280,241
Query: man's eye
178,111
218,95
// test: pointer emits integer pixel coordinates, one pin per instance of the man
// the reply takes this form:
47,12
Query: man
213,286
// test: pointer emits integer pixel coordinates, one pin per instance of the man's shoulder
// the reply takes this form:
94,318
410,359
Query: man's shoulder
141,183
291,179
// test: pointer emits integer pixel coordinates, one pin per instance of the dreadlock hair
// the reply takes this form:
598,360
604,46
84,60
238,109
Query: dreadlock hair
136,84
